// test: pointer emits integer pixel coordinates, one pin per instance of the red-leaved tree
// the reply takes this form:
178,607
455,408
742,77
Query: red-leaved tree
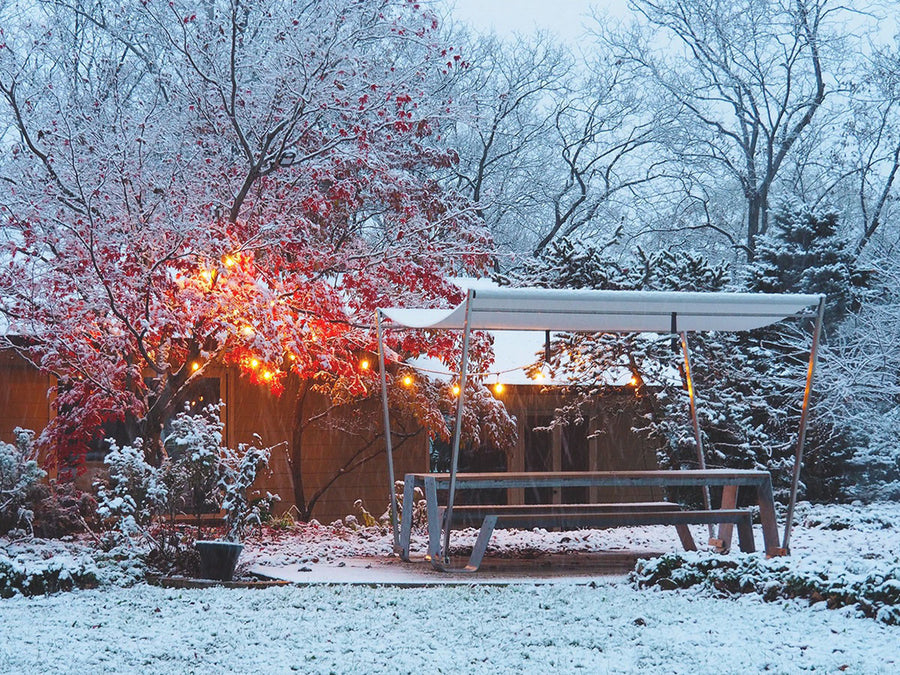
187,183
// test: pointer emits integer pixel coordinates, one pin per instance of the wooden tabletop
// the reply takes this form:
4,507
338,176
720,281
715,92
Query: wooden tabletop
599,478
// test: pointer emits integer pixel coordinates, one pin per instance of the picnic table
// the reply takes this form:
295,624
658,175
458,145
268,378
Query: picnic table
595,514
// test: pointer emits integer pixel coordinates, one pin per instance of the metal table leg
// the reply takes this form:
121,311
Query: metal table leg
409,498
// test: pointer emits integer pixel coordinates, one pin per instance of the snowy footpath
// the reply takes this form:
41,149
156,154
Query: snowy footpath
598,625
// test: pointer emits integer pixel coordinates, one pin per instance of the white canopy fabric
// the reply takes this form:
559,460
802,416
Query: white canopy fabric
607,311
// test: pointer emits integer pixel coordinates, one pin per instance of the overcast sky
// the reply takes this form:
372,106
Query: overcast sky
570,18
566,18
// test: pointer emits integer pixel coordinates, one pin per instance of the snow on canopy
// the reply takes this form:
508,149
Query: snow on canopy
612,311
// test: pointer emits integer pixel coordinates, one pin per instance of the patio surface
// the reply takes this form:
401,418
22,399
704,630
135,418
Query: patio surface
547,568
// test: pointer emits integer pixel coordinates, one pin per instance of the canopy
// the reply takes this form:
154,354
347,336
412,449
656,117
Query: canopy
595,311
540,309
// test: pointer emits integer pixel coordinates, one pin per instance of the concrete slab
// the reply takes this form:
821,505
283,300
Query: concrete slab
564,568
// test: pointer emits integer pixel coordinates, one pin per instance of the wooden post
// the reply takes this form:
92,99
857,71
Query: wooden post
804,417
729,501
695,422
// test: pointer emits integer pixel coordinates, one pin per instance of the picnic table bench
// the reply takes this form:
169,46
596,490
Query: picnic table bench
600,515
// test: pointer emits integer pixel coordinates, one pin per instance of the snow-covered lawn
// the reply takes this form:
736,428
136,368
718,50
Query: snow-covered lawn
353,629
605,626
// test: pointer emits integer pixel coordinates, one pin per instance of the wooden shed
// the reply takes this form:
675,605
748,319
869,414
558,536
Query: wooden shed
332,447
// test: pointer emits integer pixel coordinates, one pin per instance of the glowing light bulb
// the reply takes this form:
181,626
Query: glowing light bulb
229,261
498,388
195,366
456,390
268,375
248,330
538,376
364,365
407,381
633,382
254,363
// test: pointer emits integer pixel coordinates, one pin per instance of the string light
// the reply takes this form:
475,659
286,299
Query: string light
407,381
267,375
248,330
633,381
456,390
254,363
364,365
229,261
195,366
498,388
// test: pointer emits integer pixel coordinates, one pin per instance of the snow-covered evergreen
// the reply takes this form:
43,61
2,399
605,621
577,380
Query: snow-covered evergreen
748,386
20,476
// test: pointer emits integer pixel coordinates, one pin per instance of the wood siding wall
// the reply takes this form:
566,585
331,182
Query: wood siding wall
335,441
615,446
24,398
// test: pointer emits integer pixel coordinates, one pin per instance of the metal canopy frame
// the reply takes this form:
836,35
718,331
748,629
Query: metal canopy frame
466,310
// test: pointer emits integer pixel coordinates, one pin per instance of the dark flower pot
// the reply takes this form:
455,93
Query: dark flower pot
218,559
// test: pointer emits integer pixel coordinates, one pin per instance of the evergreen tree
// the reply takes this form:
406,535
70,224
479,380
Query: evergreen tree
804,252
748,385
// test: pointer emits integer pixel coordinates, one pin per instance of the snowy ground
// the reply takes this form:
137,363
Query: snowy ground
604,626
611,628
833,538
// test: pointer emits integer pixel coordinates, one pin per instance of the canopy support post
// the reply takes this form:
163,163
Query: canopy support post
695,422
387,432
457,431
804,417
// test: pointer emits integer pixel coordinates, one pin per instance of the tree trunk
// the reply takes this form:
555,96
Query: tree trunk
296,455
754,214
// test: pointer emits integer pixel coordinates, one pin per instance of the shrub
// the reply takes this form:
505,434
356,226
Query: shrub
876,594
64,509
192,470
238,471
134,493
50,577
20,478
140,501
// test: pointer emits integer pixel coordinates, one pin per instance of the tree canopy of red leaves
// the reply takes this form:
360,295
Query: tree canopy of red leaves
238,182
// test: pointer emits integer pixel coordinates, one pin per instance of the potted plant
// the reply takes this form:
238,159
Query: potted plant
238,469
212,474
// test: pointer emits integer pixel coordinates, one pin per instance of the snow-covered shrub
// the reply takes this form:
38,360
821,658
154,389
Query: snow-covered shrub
238,470
20,478
876,594
418,506
193,470
63,510
49,577
36,566
134,492
201,473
